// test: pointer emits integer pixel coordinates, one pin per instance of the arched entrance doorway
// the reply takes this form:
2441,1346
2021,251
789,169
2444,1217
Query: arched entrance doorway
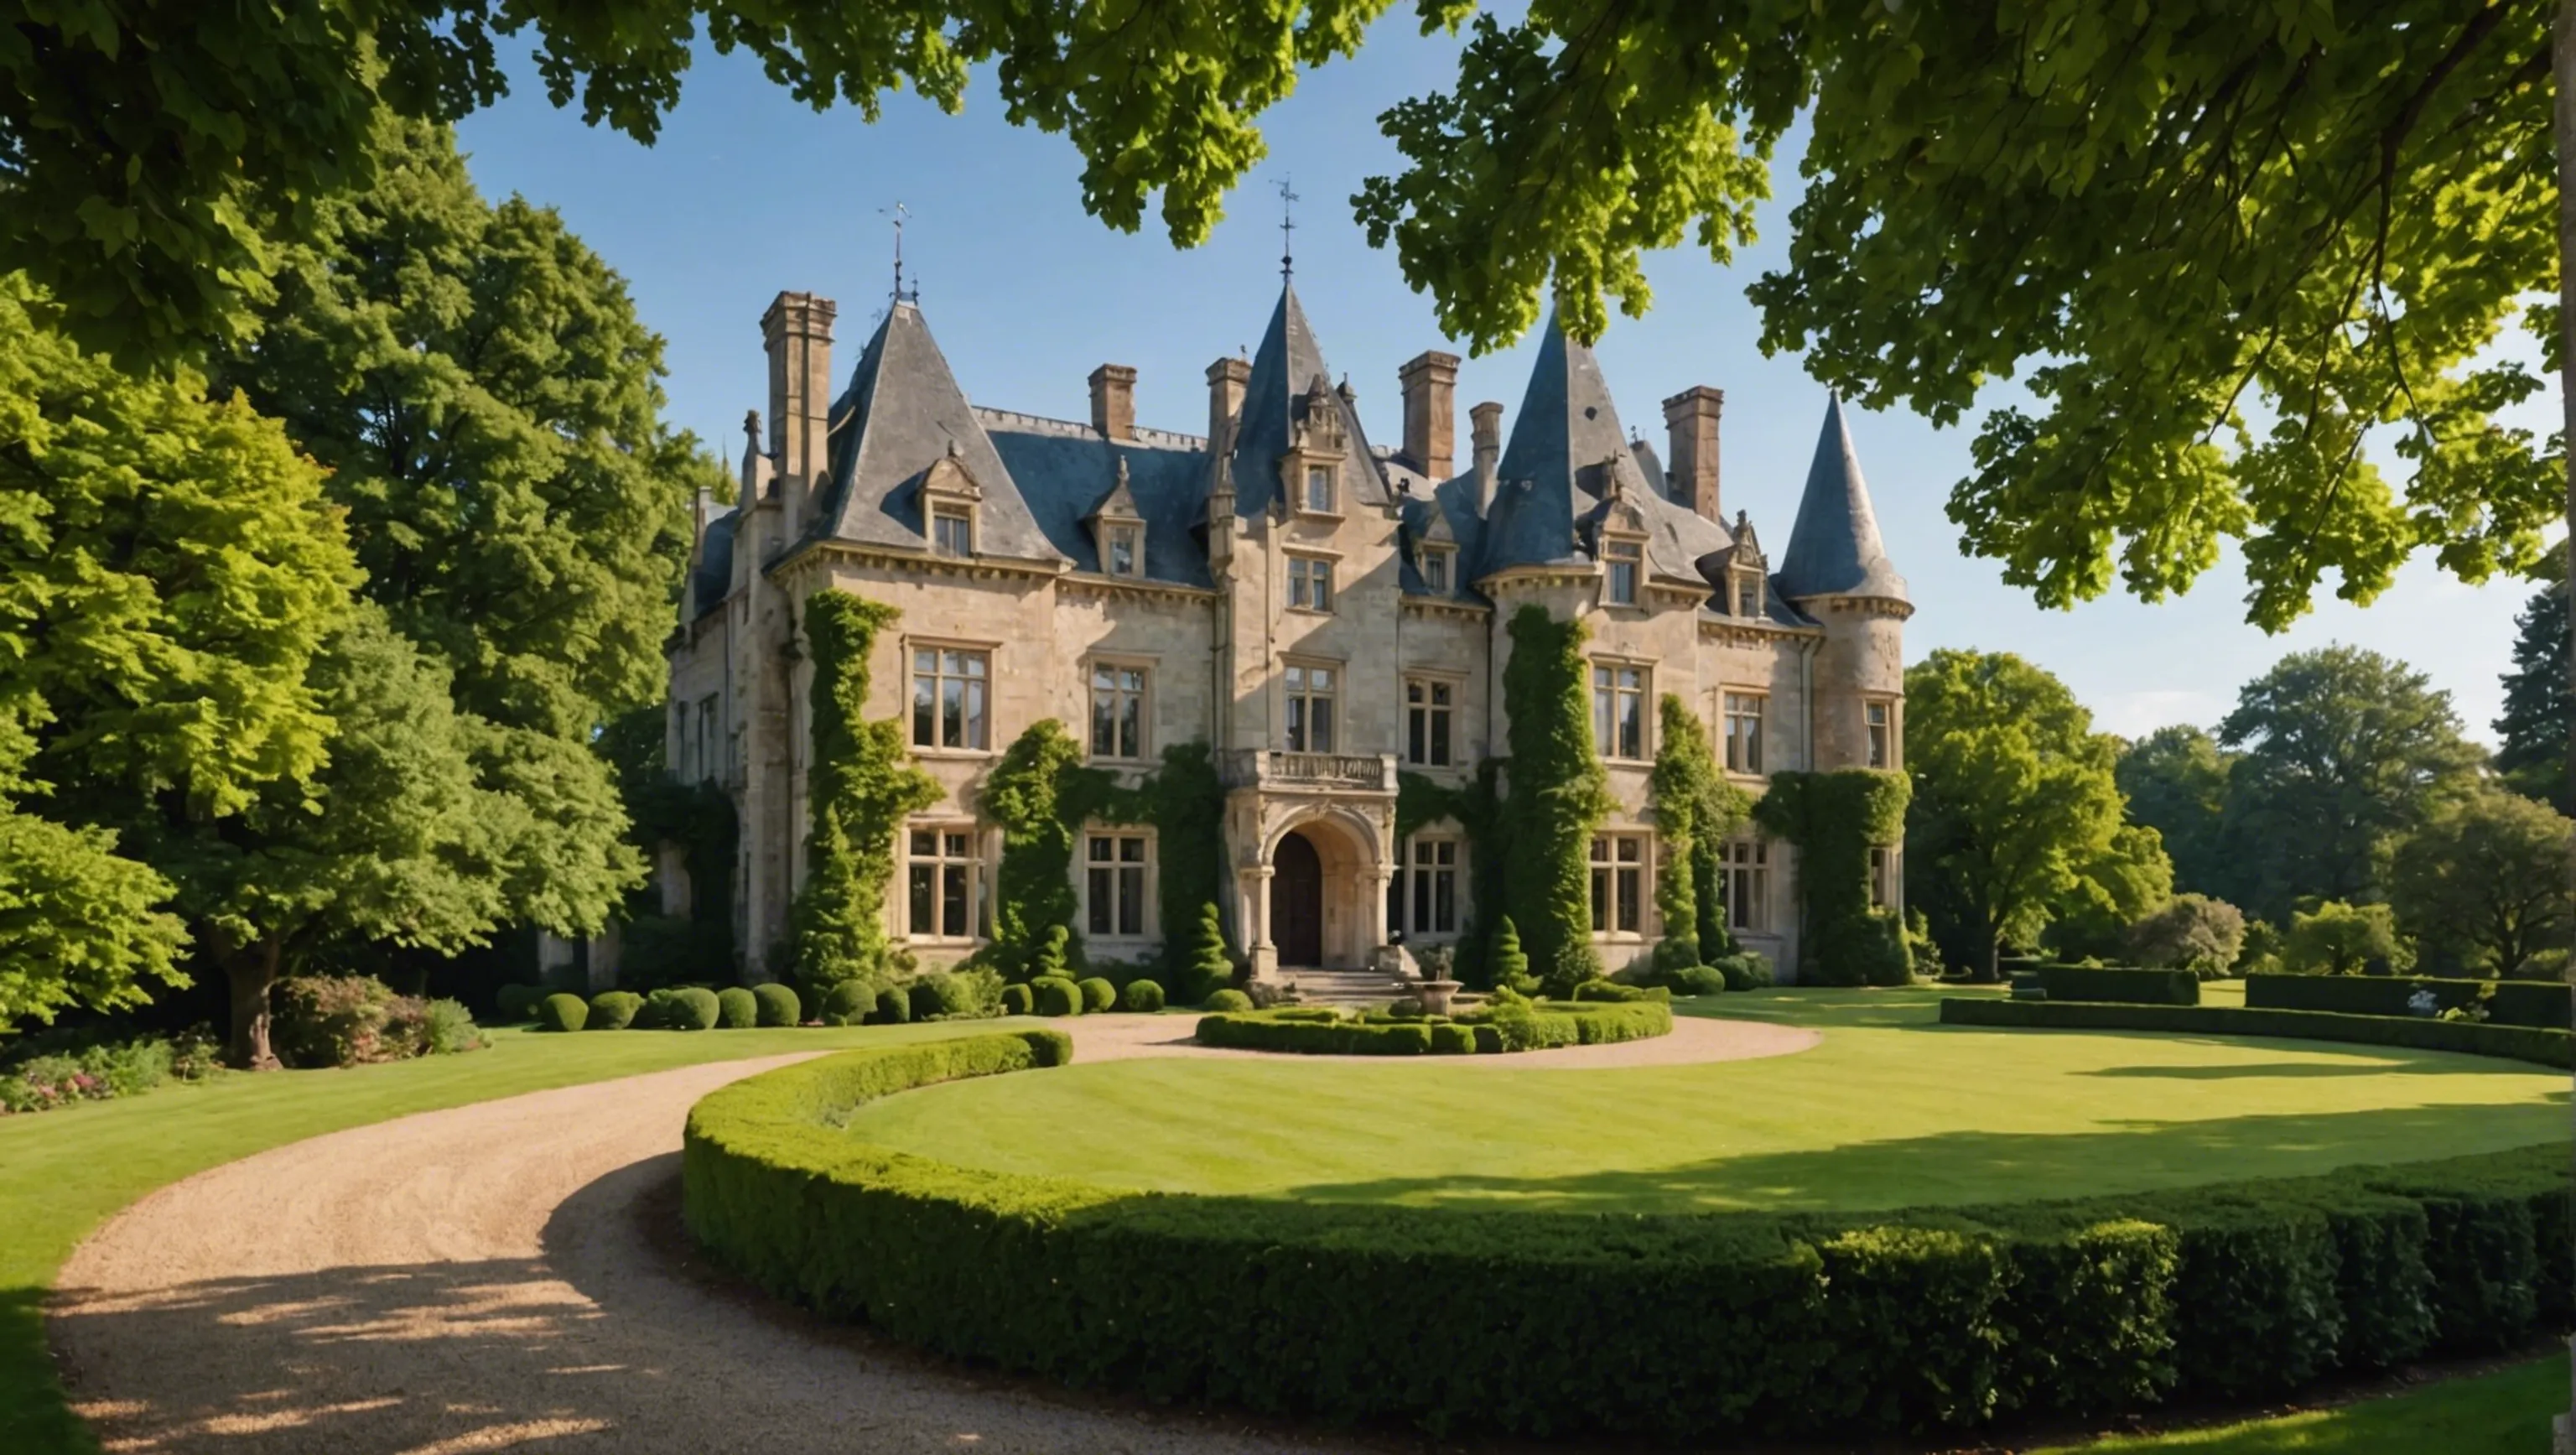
1297,901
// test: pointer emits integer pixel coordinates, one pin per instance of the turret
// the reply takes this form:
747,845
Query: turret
1836,571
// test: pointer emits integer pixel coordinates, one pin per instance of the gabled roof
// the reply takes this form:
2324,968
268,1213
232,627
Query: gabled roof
1062,469
1286,371
1119,503
903,414
1834,549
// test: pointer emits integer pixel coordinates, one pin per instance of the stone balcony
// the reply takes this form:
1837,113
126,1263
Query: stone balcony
1334,772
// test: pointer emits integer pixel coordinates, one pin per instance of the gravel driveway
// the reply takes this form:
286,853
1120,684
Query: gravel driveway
510,1276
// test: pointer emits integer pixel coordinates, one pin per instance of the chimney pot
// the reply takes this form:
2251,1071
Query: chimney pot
1691,419
1227,379
1113,401
1486,425
1430,381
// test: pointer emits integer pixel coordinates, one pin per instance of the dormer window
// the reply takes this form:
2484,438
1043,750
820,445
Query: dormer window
1318,499
1435,568
952,531
1624,559
1126,553
1748,594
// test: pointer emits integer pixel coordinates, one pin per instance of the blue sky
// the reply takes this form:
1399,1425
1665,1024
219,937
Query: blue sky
747,193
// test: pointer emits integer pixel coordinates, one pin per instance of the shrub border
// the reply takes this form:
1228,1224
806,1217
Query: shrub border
1684,1326
2535,1044
1298,1031
2120,984
2541,1003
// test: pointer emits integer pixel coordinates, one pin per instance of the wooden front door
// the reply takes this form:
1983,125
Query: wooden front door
1297,902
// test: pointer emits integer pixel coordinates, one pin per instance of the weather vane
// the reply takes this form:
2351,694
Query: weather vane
1287,225
899,213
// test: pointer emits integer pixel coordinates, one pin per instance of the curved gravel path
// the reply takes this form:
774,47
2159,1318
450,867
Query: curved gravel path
510,1276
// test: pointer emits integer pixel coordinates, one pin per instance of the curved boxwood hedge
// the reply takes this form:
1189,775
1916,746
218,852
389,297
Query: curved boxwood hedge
2516,1043
2508,1002
1322,1031
1676,1326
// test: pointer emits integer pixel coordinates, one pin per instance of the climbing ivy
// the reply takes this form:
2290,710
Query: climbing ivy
1476,808
1835,819
861,788
1695,807
1042,794
1559,796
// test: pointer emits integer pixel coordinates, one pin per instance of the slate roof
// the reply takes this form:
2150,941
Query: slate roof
714,577
1834,549
1062,470
902,413
1284,370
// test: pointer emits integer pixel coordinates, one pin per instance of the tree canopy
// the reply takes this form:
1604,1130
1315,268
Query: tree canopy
2016,814
2483,885
2175,780
2344,752
2539,705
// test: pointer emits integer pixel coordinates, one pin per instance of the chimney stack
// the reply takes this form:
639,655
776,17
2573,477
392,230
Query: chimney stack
1113,401
1691,418
797,330
1226,380
1487,426
1430,383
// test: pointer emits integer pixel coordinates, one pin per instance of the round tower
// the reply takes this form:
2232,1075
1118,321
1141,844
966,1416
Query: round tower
1837,573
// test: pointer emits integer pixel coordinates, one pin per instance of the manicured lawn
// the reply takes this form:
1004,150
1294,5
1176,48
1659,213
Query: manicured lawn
2505,1413
1892,1110
64,1172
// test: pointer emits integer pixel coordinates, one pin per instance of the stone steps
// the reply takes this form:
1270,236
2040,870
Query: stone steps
1346,987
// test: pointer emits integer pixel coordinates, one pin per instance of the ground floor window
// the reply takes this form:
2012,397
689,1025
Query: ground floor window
1618,883
945,884
1114,884
1422,898
1744,870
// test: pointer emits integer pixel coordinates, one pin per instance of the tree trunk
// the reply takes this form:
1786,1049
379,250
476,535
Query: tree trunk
2563,69
251,971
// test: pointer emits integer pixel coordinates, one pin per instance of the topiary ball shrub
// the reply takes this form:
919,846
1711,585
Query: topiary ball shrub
954,995
690,1008
737,1009
562,1013
1056,995
1016,1000
894,1007
614,1010
1097,994
1142,996
778,1005
1448,1039
848,1003
516,1003
1228,999
1745,970
1695,979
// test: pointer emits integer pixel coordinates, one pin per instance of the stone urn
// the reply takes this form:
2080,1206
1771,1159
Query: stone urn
1435,994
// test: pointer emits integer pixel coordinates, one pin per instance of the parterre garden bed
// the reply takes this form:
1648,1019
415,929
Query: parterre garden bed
1283,1287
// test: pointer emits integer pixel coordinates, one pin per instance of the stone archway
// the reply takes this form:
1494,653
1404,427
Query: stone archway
1327,892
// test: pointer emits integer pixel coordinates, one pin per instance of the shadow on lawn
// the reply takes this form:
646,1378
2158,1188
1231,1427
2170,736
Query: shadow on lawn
2360,1062
1951,1168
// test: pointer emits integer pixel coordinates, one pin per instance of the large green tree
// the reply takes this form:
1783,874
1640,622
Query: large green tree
490,408
2539,702
2175,779
168,571
2483,886
2343,752
2016,814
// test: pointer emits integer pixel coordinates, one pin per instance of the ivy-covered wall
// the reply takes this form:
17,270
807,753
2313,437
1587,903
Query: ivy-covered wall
1695,808
1834,819
1476,808
1558,797
860,789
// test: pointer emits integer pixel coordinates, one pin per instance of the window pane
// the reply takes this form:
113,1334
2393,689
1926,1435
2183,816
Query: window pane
1131,851
1296,724
924,730
952,913
952,712
1097,888
1416,743
956,846
1104,723
1323,724
975,712
1131,901
924,844
1320,678
1601,721
1296,678
1131,726
1629,881
1628,850
1600,900
1631,731
1444,900
1440,738
923,921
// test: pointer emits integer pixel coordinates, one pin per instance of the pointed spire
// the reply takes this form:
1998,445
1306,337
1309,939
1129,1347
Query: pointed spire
1834,549
1567,453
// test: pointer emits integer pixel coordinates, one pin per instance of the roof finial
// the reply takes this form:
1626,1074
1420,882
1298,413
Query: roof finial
1287,225
899,213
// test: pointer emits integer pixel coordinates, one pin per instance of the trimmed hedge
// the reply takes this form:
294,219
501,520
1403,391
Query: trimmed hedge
737,1009
2134,987
1675,1326
848,1002
1142,996
1228,999
2510,1002
614,1010
563,1012
1323,1031
685,1008
778,1005
1016,1000
1612,990
1056,995
1098,994
1260,1031
2514,1043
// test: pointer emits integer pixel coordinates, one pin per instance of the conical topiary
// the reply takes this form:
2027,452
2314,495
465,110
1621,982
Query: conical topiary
1511,966
1208,970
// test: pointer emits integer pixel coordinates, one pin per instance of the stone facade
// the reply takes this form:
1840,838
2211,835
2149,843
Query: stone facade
1324,613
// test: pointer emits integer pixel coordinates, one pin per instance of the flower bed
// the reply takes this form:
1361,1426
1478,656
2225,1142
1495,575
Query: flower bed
1692,1327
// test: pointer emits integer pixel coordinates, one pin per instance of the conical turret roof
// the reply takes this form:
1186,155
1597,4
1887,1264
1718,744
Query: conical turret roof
1834,549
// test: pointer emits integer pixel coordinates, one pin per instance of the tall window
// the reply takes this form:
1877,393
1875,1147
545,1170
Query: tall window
1618,883
1882,739
1435,568
948,698
942,881
1117,711
1423,895
1744,873
1319,488
709,759
1310,583
1744,731
1619,711
1427,710
1114,884
1310,709
952,532
1126,551
1624,557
